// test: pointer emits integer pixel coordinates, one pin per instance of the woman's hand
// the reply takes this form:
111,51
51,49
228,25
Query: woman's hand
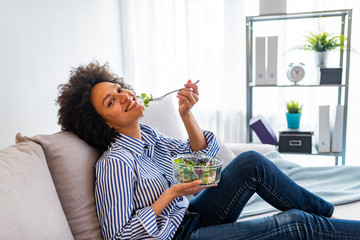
177,190
188,97
183,189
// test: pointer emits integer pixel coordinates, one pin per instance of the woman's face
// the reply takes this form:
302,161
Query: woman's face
118,107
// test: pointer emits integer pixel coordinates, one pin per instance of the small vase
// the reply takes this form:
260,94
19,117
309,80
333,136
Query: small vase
293,120
321,59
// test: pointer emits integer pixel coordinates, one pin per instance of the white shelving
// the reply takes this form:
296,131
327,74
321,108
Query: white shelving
292,24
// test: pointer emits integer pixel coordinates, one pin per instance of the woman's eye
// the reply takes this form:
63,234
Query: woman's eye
119,89
111,102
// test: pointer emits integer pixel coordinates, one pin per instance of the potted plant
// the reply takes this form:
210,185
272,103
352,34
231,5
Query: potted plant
293,114
321,43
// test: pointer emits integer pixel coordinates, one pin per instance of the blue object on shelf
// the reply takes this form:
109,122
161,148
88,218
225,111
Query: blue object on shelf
293,120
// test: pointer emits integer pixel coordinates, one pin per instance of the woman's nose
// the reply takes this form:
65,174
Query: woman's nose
123,97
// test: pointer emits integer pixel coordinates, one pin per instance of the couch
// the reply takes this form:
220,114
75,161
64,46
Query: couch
47,181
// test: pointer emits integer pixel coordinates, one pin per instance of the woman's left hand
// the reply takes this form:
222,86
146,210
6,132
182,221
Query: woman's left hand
183,189
188,97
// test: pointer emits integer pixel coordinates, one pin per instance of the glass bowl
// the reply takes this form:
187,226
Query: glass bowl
193,166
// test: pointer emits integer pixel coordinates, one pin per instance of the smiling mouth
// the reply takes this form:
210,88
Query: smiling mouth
131,106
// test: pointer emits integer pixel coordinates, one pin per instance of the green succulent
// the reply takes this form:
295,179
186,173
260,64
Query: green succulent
293,107
323,41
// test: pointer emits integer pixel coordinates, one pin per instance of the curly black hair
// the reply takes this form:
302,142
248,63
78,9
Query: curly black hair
77,113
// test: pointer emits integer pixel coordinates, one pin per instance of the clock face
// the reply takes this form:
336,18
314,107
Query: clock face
296,73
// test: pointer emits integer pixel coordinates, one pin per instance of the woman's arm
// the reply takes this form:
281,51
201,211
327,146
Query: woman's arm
187,99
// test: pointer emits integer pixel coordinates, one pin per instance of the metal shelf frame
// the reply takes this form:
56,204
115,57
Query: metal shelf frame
346,24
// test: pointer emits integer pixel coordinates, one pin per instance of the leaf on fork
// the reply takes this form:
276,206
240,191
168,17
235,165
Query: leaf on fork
146,99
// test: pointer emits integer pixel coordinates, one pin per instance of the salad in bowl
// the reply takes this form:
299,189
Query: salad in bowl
194,166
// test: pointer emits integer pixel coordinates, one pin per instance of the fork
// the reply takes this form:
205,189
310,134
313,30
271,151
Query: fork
162,97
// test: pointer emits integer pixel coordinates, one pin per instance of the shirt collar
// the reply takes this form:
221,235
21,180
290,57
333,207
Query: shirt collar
135,145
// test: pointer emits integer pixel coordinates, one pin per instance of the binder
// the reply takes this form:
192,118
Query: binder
260,69
263,130
324,129
337,130
272,58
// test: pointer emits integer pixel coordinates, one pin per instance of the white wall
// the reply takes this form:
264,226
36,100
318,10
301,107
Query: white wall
40,41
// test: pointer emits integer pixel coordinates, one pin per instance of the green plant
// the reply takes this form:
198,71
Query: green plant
146,99
293,107
323,41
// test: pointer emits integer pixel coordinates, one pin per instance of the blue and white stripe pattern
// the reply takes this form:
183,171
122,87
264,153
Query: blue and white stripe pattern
130,177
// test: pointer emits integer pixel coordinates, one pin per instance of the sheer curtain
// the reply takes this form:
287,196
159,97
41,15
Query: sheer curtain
166,42
171,41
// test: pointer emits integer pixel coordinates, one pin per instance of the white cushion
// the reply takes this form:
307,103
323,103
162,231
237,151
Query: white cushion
225,153
29,206
164,116
238,148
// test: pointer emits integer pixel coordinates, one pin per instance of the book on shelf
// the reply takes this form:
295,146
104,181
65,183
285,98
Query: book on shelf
266,58
260,68
272,58
324,129
337,129
263,130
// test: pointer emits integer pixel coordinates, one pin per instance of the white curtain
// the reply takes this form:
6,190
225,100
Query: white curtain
166,42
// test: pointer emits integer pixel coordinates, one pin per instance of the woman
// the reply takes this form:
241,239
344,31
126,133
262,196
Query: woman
136,196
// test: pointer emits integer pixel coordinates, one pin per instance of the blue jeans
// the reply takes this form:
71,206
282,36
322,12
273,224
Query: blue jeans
213,213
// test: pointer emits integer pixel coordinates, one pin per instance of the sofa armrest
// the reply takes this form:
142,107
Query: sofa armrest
238,148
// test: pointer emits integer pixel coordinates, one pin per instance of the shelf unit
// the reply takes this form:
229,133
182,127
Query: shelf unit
345,17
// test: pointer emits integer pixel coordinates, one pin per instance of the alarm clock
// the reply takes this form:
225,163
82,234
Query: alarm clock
296,72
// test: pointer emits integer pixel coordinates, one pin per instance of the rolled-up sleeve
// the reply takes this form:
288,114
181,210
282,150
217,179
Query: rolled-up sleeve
148,220
212,144
183,146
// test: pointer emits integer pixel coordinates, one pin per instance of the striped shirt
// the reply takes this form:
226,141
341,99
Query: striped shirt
131,175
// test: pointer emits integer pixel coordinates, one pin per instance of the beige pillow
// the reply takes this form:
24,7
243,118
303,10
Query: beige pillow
29,206
72,165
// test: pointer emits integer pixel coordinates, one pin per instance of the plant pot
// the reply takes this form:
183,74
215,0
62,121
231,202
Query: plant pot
293,120
321,59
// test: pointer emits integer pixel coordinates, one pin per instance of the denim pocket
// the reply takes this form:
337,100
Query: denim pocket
179,233
188,225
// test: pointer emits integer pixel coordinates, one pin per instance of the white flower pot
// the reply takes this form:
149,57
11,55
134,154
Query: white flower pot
321,59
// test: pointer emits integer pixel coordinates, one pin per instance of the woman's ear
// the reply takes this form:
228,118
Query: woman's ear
107,124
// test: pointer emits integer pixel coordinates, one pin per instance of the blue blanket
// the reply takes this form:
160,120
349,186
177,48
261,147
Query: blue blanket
337,184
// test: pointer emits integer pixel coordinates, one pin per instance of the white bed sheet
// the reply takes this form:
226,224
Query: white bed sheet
349,211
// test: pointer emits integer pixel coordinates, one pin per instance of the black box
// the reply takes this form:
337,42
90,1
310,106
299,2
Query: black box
295,141
330,76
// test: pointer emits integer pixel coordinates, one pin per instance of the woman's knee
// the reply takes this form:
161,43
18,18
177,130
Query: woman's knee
250,158
247,161
292,216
